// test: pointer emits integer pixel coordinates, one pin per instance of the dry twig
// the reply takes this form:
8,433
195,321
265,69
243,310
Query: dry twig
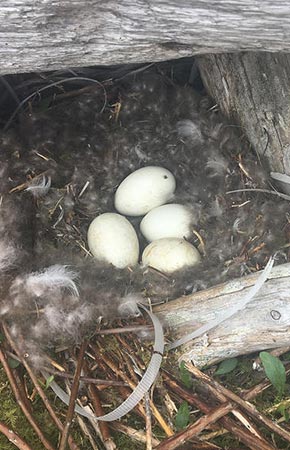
88,380
22,404
103,426
148,423
222,394
193,430
127,329
85,429
14,438
39,389
136,435
229,424
73,397
168,430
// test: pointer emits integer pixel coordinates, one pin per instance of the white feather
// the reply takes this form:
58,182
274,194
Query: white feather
39,186
53,277
8,255
189,130
129,306
216,165
63,322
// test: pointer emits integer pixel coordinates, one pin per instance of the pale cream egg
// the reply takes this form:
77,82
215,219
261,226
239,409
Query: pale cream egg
167,221
170,254
144,190
111,238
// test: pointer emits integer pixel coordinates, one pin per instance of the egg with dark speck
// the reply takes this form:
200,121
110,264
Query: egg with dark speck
143,190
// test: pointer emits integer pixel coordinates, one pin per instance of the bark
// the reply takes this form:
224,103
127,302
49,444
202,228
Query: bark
264,324
51,34
254,88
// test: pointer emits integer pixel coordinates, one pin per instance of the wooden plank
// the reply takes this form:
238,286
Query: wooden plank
52,34
264,324
254,89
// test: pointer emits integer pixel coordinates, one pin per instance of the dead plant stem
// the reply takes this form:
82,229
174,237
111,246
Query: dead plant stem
222,393
39,389
180,438
14,438
21,403
73,397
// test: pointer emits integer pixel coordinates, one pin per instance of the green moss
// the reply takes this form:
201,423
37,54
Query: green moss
227,442
125,442
12,416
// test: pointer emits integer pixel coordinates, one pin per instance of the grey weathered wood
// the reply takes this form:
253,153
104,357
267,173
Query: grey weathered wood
254,88
52,34
264,324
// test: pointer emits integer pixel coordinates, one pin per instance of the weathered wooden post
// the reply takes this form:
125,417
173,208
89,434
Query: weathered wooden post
49,34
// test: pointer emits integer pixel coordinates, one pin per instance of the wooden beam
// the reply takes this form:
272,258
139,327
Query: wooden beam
52,34
254,89
264,324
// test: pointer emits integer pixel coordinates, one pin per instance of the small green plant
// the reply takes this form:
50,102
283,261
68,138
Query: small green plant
13,363
275,371
182,416
48,381
284,411
227,366
185,375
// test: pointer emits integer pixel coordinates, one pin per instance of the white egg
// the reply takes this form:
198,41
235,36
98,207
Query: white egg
167,221
170,254
112,238
144,190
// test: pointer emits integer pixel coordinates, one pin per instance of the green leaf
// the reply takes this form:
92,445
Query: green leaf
274,370
182,416
48,381
1,338
283,410
227,366
185,375
13,363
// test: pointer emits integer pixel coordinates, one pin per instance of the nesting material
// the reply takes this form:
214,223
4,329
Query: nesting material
111,238
170,254
61,168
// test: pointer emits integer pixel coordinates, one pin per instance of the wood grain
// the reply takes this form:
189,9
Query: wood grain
264,324
51,34
254,89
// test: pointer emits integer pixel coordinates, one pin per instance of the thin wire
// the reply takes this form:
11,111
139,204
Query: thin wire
56,83
265,191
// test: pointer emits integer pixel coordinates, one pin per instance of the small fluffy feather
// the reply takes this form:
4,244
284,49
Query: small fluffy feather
47,282
8,255
57,321
189,130
53,277
216,166
129,306
39,187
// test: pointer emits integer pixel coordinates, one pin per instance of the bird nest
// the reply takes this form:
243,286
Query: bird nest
60,167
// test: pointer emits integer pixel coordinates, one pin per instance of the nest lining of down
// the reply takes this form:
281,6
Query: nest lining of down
86,146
